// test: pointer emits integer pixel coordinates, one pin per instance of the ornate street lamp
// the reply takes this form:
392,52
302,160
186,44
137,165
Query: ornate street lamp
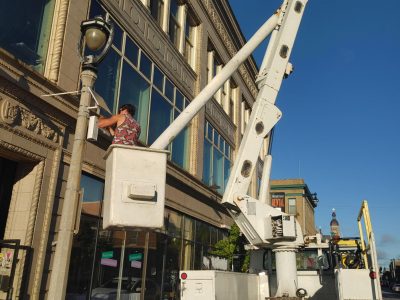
97,35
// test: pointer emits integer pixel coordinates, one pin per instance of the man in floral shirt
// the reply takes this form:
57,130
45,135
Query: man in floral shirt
124,128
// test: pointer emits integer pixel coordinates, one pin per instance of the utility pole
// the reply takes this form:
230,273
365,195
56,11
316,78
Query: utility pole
97,35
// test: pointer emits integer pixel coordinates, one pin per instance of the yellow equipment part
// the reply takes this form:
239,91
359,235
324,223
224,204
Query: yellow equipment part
347,244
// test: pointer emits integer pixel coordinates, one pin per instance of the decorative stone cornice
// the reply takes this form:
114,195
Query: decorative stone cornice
20,151
13,114
222,31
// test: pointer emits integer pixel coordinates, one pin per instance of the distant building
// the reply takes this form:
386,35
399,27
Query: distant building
334,224
394,268
294,197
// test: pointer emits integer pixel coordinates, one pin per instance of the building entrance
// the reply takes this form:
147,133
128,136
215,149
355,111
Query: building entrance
7,176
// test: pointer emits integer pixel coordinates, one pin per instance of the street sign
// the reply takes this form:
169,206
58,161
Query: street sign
109,262
135,256
107,254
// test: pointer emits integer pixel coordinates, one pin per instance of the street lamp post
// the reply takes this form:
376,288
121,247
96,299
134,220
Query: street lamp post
97,34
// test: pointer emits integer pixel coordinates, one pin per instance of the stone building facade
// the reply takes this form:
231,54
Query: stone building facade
294,197
164,52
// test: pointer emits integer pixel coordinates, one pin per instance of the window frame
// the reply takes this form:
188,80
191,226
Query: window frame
28,39
190,33
292,204
148,76
157,7
219,144
175,20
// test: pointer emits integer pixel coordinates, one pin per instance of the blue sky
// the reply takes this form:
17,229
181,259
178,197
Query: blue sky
340,125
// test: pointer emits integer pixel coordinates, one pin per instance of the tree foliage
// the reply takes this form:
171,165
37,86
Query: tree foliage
232,249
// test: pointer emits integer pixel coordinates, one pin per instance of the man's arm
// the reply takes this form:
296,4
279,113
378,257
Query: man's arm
107,122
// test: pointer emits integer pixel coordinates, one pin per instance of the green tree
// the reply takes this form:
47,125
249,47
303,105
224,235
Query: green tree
232,249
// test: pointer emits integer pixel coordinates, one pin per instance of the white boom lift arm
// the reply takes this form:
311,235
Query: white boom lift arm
135,185
262,224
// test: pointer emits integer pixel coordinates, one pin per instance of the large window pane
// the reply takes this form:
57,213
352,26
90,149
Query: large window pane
207,162
145,65
134,266
188,230
155,260
217,154
160,116
187,255
209,132
227,150
96,9
174,8
93,191
218,165
202,233
174,27
227,171
189,38
169,90
107,264
292,206
222,145
174,32
136,90
174,226
26,30
176,113
158,79
93,188
216,138
179,100
180,149
222,234
198,257
108,74
82,255
131,51
157,9
172,267
118,33
83,249
141,80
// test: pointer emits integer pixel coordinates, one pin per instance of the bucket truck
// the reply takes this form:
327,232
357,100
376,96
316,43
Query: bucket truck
139,190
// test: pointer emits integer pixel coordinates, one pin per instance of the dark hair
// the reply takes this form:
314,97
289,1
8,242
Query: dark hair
129,107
